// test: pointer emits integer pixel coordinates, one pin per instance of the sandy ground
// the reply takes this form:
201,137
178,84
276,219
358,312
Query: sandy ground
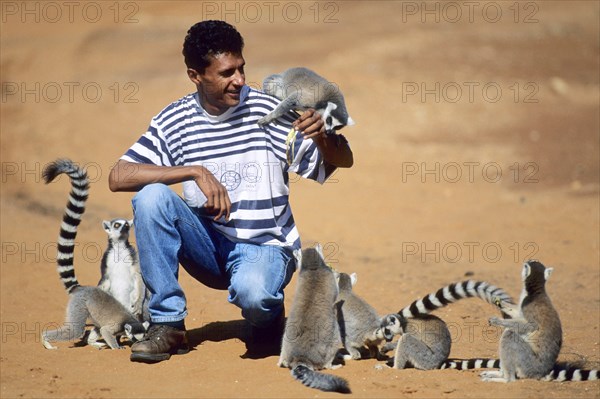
476,147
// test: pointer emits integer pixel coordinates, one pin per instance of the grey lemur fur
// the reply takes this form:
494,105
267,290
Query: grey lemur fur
312,337
359,322
299,89
531,341
424,342
426,345
109,316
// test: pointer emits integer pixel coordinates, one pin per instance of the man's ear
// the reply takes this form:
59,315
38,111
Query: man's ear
194,76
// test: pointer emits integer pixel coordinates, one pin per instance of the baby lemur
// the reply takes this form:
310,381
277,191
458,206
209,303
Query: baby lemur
109,316
312,337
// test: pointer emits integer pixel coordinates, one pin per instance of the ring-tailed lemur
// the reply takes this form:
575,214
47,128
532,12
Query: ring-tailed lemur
425,340
359,322
299,89
120,268
425,343
108,315
532,339
312,337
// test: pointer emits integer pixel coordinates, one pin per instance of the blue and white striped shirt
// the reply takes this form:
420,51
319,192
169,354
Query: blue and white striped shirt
252,162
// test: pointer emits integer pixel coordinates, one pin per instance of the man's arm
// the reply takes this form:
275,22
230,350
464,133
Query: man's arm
335,152
130,176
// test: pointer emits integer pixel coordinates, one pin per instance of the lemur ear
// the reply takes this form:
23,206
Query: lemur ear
350,122
353,278
319,249
526,271
298,256
106,225
328,109
548,272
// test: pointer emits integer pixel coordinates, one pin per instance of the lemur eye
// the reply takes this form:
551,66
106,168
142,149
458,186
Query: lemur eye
117,225
328,121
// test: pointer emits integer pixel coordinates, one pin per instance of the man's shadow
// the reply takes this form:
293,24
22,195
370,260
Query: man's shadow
219,331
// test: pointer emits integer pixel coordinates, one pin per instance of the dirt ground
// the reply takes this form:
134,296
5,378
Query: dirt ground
476,147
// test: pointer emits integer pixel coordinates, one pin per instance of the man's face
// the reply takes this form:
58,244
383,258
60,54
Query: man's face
220,85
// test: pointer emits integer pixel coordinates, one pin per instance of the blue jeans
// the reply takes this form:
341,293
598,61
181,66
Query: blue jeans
168,233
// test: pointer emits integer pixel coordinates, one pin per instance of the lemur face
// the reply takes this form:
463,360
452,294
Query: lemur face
117,229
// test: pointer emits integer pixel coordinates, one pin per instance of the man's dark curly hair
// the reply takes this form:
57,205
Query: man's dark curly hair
210,38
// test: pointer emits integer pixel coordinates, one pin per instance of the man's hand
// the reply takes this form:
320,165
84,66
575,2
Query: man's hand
129,176
217,198
335,152
310,124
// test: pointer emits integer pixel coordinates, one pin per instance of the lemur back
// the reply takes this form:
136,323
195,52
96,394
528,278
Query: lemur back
359,322
301,88
120,268
312,338
108,315
424,342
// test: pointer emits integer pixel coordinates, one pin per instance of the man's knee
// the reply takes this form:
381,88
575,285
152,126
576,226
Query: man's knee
259,306
151,197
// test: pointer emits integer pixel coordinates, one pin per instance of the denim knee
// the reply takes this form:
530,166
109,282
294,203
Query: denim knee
152,196
258,306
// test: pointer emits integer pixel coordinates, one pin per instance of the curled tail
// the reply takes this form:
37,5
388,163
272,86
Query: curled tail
324,382
71,218
561,373
452,293
469,364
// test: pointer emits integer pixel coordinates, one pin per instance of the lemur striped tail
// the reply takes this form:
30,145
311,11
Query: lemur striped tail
452,293
71,218
560,373
469,364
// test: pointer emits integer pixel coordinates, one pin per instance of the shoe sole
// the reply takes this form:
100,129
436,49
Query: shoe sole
155,357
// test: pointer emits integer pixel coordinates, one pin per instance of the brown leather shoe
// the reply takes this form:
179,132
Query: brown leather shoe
159,344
